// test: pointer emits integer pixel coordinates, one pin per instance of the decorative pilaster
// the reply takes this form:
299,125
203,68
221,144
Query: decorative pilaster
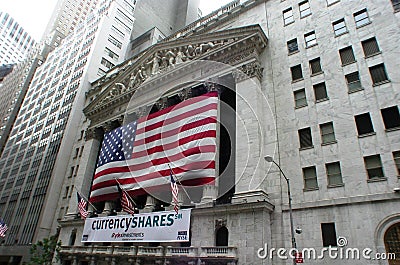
251,106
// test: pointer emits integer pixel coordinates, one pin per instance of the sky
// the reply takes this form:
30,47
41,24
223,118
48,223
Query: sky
33,15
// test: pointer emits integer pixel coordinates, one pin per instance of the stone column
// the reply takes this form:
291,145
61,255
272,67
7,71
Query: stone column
210,191
181,195
92,261
252,112
75,261
150,204
91,210
108,207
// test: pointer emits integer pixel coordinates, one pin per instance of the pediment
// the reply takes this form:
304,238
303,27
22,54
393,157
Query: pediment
230,46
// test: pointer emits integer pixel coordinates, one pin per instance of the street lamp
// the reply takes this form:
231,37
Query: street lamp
294,246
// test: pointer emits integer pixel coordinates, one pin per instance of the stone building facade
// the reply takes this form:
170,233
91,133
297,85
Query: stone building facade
312,84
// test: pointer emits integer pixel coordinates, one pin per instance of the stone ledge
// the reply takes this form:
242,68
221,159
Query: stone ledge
344,201
234,208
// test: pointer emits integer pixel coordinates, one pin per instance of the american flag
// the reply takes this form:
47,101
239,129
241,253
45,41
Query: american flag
82,203
126,202
3,228
138,154
175,191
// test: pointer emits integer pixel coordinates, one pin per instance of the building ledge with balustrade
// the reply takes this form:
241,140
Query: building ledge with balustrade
138,254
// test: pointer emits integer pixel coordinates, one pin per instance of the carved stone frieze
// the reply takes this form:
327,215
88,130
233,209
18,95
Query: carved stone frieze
116,90
160,62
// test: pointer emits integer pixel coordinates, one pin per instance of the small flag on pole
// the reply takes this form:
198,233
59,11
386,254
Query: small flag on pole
127,203
3,228
174,190
82,203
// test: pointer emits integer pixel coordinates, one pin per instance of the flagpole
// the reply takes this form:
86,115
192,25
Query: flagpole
86,200
172,174
119,184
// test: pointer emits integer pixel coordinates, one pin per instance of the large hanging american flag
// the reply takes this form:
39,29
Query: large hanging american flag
138,154
3,228
82,203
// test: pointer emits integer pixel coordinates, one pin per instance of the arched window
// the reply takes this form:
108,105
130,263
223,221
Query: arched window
392,243
221,236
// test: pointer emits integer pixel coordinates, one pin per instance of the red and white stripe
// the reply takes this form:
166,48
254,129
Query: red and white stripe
183,136
175,191
126,203
82,203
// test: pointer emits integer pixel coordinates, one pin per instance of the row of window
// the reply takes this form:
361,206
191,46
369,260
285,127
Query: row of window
339,28
377,72
361,17
370,48
390,116
373,167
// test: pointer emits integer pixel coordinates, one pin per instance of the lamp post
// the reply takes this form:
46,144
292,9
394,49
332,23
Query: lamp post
294,246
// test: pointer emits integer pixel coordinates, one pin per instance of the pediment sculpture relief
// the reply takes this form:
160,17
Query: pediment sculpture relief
158,63
239,46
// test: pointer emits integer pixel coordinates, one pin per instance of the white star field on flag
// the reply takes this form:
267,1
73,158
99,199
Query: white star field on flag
117,144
